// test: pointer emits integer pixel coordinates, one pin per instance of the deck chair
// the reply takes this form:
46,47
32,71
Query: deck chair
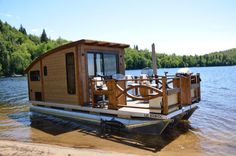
100,85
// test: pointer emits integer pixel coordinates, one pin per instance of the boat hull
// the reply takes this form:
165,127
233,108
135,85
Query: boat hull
146,125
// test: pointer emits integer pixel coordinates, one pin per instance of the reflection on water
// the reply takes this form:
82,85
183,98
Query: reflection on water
212,128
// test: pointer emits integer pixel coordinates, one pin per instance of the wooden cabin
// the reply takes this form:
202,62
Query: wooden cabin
62,75
86,80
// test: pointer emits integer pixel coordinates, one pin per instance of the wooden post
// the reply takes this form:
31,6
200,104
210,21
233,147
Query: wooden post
112,100
194,81
156,80
199,88
154,61
136,81
92,93
165,96
186,90
143,91
177,84
122,98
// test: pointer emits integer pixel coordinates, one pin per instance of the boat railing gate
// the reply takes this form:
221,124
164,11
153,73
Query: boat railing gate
186,87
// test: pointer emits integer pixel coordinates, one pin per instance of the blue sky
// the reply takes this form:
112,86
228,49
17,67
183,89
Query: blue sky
175,26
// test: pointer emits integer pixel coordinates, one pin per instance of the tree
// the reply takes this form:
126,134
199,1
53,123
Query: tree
17,49
34,39
22,30
44,37
1,26
4,59
20,59
0,68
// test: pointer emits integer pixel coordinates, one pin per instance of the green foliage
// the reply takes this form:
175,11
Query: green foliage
22,30
18,50
138,59
44,37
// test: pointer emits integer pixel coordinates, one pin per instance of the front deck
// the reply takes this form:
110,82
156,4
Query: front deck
161,95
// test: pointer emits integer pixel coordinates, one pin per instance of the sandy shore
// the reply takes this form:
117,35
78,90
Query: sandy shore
13,148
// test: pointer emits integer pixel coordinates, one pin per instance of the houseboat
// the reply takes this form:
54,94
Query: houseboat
85,80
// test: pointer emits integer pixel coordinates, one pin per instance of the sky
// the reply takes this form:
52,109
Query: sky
183,27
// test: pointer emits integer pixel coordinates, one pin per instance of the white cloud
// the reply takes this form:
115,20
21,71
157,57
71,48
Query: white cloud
6,14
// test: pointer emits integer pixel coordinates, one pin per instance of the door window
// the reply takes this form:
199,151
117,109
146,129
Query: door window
102,64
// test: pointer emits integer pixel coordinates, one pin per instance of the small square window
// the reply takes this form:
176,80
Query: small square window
35,75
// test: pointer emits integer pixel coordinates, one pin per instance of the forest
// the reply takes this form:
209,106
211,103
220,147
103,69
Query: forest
18,49
138,59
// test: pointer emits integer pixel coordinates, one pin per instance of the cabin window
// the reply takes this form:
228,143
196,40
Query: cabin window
102,64
110,64
35,75
70,73
91,64
99,64
45,70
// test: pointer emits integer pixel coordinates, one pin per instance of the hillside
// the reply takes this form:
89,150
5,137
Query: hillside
18,49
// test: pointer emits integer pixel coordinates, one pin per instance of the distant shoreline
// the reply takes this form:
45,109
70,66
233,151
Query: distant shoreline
188,67
23,75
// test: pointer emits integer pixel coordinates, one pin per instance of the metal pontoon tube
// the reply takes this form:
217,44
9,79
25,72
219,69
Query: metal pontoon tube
96,119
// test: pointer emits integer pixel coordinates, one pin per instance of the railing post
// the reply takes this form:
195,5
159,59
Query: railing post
186,90
112,100
177,84
165,96
92,92
194,81
156,80
136,81
199,88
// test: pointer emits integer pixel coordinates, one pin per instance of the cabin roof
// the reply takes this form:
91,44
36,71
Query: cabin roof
72,44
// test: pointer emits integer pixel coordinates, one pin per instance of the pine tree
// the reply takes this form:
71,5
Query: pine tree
44,37
22,29
1,26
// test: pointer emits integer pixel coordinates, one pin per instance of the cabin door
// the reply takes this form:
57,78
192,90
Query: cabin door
101,64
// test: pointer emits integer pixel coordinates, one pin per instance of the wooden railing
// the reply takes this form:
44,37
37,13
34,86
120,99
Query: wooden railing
185,88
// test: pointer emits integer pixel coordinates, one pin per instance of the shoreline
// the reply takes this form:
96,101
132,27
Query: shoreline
17,148
21,148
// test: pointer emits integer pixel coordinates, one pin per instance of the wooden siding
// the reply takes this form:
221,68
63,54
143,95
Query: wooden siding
34,86
55,83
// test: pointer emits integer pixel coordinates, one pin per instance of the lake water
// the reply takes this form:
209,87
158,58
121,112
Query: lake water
212,127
